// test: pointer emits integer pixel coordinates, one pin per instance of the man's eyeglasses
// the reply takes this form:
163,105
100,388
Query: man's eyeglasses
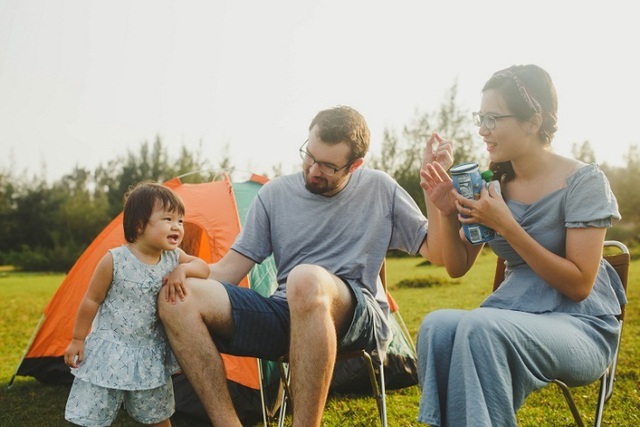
328,169
489,120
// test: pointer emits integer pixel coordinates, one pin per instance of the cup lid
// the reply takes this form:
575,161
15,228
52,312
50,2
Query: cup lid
463,168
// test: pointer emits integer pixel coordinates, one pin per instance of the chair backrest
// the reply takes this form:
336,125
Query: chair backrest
619,261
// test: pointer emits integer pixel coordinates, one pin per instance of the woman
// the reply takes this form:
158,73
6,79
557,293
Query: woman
554,314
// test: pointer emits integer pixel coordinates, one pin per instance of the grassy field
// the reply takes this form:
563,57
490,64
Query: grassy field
28,403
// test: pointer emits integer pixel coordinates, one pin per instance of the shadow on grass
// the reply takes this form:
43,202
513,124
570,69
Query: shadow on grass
30,403
424,282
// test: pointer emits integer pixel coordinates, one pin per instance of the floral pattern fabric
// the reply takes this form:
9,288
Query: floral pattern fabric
127,348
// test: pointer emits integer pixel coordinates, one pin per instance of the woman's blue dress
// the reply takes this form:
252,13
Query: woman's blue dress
477,367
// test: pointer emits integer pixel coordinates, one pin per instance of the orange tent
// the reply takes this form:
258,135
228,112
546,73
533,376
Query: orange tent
214,214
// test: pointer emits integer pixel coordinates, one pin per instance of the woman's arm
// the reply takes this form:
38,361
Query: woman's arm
456,253
573,275
459,255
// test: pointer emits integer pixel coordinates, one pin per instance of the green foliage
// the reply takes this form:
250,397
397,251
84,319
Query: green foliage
152,163
584,152
29,260
624,183
9,228
45,227
624,233
49,226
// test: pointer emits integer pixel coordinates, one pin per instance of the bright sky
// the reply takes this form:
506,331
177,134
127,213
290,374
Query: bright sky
83,81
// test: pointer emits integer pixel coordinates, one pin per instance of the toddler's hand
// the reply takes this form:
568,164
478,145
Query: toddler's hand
74,353
174,284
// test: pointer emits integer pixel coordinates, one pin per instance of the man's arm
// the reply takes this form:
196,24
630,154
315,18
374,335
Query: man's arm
232,268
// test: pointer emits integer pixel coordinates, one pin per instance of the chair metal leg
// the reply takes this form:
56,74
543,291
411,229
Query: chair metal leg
263,398
612,368
572,404
377,387
286,392
283,409
383,397
603,397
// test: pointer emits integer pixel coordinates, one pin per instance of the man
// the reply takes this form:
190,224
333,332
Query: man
329,228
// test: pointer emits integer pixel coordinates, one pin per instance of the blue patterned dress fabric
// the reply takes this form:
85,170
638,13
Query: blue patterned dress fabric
586,201
127,348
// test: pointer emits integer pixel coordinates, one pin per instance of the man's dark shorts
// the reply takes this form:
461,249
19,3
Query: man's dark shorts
262,324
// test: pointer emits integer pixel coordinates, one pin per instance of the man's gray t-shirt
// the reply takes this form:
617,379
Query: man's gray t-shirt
348,234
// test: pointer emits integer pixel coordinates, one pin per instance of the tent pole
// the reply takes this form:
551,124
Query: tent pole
404,328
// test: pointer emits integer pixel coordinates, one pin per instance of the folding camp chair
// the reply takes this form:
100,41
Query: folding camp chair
620,262
375,369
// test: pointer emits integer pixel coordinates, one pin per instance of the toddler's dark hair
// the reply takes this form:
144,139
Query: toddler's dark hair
140,200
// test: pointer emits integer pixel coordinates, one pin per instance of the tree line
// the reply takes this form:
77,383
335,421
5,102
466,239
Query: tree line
46,226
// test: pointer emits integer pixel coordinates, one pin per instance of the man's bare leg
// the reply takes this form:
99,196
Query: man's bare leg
187,324
320,304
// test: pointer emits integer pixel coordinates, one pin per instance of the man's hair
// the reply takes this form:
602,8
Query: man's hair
343,124
140,201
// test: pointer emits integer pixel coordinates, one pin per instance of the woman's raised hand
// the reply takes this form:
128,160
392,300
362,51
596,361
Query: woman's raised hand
442,154
433,176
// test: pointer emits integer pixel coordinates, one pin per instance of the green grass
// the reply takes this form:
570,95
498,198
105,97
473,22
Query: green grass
28,403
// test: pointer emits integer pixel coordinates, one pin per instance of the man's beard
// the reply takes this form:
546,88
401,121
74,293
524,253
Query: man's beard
323,187
317,187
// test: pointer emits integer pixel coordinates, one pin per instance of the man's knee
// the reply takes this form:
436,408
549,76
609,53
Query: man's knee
170,310
309,287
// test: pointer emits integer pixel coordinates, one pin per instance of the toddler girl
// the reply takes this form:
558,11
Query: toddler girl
126,357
